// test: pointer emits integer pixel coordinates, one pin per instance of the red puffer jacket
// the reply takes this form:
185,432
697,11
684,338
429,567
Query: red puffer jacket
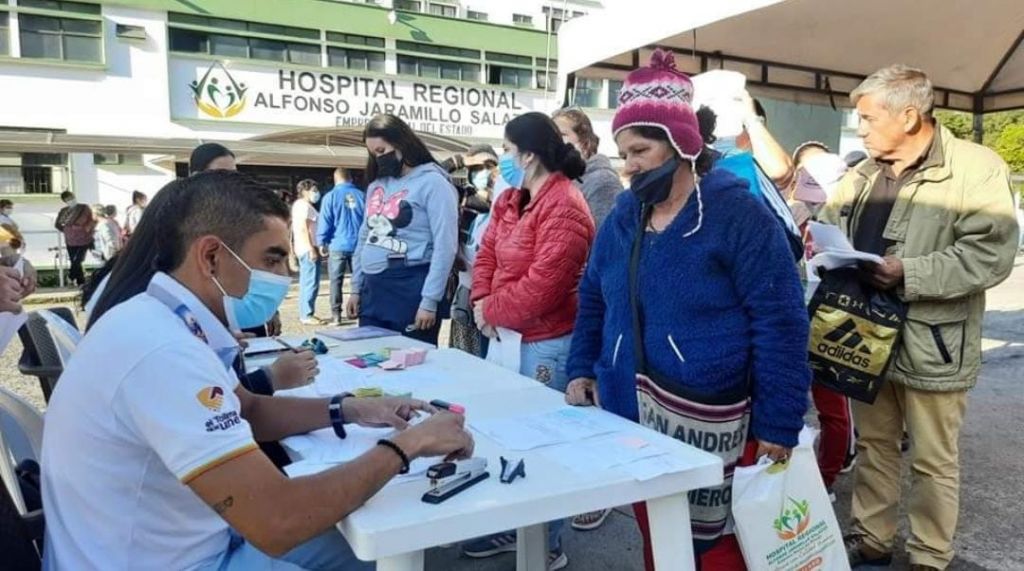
530,263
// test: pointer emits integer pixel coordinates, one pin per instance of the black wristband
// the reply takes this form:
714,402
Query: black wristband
398,450
337,417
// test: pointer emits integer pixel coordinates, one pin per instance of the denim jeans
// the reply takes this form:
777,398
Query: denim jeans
309,285
337,263
546,361
327,551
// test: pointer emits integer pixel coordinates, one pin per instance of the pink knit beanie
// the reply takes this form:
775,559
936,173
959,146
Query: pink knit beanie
661,96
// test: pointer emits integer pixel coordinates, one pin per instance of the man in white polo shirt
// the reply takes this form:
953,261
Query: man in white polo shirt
149,455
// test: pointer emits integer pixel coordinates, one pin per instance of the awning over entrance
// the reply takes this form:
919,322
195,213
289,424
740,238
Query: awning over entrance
815,51
309,147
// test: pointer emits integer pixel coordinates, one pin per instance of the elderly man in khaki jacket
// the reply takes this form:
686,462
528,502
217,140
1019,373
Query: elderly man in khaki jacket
940,212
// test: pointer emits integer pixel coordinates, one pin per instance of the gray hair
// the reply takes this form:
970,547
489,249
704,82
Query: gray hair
900,86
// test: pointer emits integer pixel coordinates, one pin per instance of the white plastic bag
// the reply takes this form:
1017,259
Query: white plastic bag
784,519
505,350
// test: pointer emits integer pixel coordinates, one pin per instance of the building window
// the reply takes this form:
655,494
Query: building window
191,41
409,5
522,20
117,159
509,58
355,40
474,15
556,17
588,92
61,6
510,76
66,39
614,87
438,69
361,60
548,81
240,26
5,34
444,10
432,49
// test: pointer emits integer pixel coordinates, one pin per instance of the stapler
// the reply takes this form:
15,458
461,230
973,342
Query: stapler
450,478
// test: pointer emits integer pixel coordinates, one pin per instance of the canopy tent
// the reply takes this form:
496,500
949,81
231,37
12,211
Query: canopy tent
813,51
325,147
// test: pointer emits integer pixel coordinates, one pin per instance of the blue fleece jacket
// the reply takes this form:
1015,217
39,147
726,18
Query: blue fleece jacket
415,217
718,304
341,215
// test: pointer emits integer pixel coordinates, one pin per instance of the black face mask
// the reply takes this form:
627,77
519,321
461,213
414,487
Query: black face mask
389,165
654,186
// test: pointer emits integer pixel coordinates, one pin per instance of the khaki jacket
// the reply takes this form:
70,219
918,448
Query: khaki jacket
954,228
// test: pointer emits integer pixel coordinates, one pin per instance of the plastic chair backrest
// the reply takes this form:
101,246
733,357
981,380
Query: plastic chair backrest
42,357
21,425
63,332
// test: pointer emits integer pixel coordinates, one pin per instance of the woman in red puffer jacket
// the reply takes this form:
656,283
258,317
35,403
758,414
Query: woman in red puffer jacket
527,271
533,253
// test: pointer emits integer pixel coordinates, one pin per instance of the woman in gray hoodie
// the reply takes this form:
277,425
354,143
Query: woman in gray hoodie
409,237
600,183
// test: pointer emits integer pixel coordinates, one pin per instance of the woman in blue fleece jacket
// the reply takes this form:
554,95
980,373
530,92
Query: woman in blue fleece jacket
700,274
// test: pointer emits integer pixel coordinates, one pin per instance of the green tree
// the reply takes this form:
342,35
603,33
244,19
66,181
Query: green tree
1010,146
960,123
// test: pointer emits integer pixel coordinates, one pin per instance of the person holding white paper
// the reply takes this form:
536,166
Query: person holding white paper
527,271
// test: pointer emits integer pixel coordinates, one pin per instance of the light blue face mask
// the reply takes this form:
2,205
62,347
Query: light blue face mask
481,179
314,196
260,302
511,171
727,146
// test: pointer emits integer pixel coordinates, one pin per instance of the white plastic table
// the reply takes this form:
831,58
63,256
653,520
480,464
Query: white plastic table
395,526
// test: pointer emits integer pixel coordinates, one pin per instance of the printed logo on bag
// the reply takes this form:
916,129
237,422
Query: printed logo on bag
211,397
793,520
852,341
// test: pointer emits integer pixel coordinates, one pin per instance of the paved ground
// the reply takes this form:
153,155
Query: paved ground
991,505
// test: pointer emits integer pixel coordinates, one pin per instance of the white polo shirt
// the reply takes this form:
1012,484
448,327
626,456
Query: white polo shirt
145,406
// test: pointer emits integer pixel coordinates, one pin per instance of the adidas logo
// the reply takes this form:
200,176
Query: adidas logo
844,343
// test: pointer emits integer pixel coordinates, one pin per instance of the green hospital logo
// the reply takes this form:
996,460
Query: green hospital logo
217,94
792,521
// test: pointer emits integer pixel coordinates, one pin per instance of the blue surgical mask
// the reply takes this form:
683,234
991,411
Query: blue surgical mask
314,196
511,171
260,302
481,179
727,146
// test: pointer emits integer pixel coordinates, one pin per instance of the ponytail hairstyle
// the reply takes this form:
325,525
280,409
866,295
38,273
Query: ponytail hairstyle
535,132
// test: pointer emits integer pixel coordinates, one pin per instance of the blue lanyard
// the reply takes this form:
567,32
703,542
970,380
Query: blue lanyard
191,323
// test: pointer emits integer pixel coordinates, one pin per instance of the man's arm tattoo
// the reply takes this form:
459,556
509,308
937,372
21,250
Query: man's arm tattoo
223,505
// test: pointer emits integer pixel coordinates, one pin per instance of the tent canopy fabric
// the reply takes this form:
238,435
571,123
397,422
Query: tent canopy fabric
815,51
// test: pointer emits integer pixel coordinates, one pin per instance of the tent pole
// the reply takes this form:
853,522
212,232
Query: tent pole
979,118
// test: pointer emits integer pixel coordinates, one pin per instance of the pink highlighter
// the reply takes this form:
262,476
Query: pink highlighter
456,408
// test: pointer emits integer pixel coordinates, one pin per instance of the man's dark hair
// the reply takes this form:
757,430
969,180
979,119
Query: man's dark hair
759,110
400,136
66,195
227,204
205,154
343,173
6,203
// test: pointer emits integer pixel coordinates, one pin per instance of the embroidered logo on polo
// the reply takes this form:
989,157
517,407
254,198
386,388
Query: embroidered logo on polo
211,397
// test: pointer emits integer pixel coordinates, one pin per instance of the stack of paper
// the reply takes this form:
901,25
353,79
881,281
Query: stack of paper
835,251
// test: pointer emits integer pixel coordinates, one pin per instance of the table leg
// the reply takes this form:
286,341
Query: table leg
412,561
531,548
669,518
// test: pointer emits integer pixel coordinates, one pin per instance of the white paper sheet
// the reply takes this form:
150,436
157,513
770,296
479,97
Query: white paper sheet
566,424
602,453
650,468
322,449
835,250
505,351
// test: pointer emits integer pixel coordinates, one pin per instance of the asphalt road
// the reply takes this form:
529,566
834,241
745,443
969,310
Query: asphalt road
991,514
